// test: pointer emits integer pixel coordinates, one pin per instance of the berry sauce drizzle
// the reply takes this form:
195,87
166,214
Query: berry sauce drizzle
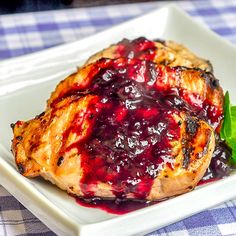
131,140
218,169
132,124
133,127
140,48
219,166
144,49
117,206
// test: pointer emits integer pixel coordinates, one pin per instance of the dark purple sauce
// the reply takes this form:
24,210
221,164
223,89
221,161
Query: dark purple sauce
118,206
141,48
144,49
131,139
220,165
218,169
132,126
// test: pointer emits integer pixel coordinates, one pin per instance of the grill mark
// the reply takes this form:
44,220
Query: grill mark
19,138
40,115
191,129
21,168
211,80
60,160
187,155
191,126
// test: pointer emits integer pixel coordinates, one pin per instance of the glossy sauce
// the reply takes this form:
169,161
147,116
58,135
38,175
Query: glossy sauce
140,48
220,166
218,169
131,140
132,127
118,206
144,49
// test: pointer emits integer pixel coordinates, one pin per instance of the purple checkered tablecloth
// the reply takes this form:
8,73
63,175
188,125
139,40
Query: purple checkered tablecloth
21,34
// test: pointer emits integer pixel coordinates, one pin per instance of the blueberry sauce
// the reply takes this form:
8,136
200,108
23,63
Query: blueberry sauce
131,140
140,48
132,124
220,166
144,49
218,169
117,206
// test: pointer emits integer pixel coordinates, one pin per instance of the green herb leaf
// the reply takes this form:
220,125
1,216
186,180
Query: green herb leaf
228,130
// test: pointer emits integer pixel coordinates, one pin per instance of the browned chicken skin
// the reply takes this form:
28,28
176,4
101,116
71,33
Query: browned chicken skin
198,88
125,128
60,162
161,52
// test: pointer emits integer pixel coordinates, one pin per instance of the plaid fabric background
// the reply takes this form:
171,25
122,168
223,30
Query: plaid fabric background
26,33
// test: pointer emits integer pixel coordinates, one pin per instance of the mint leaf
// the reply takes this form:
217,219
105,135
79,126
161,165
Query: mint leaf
228,130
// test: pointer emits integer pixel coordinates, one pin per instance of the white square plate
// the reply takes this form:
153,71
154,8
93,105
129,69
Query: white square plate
25,84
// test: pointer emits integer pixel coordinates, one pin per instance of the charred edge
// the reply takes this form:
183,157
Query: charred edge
211,80
73,93
215,83
191,126
160,41
21,168
204,74
186,150
179,122
210,66
123,41
164,63
40,115
186,158
60,160
183,68
19,138
71,188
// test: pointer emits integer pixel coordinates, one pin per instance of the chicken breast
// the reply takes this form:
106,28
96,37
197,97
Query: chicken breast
194,90
123,128
161,52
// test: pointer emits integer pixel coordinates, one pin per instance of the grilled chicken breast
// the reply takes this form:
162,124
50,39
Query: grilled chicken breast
193,89
161,52
124,128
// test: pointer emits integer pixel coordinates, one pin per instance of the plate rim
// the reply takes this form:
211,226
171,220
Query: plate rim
85,228
168,7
